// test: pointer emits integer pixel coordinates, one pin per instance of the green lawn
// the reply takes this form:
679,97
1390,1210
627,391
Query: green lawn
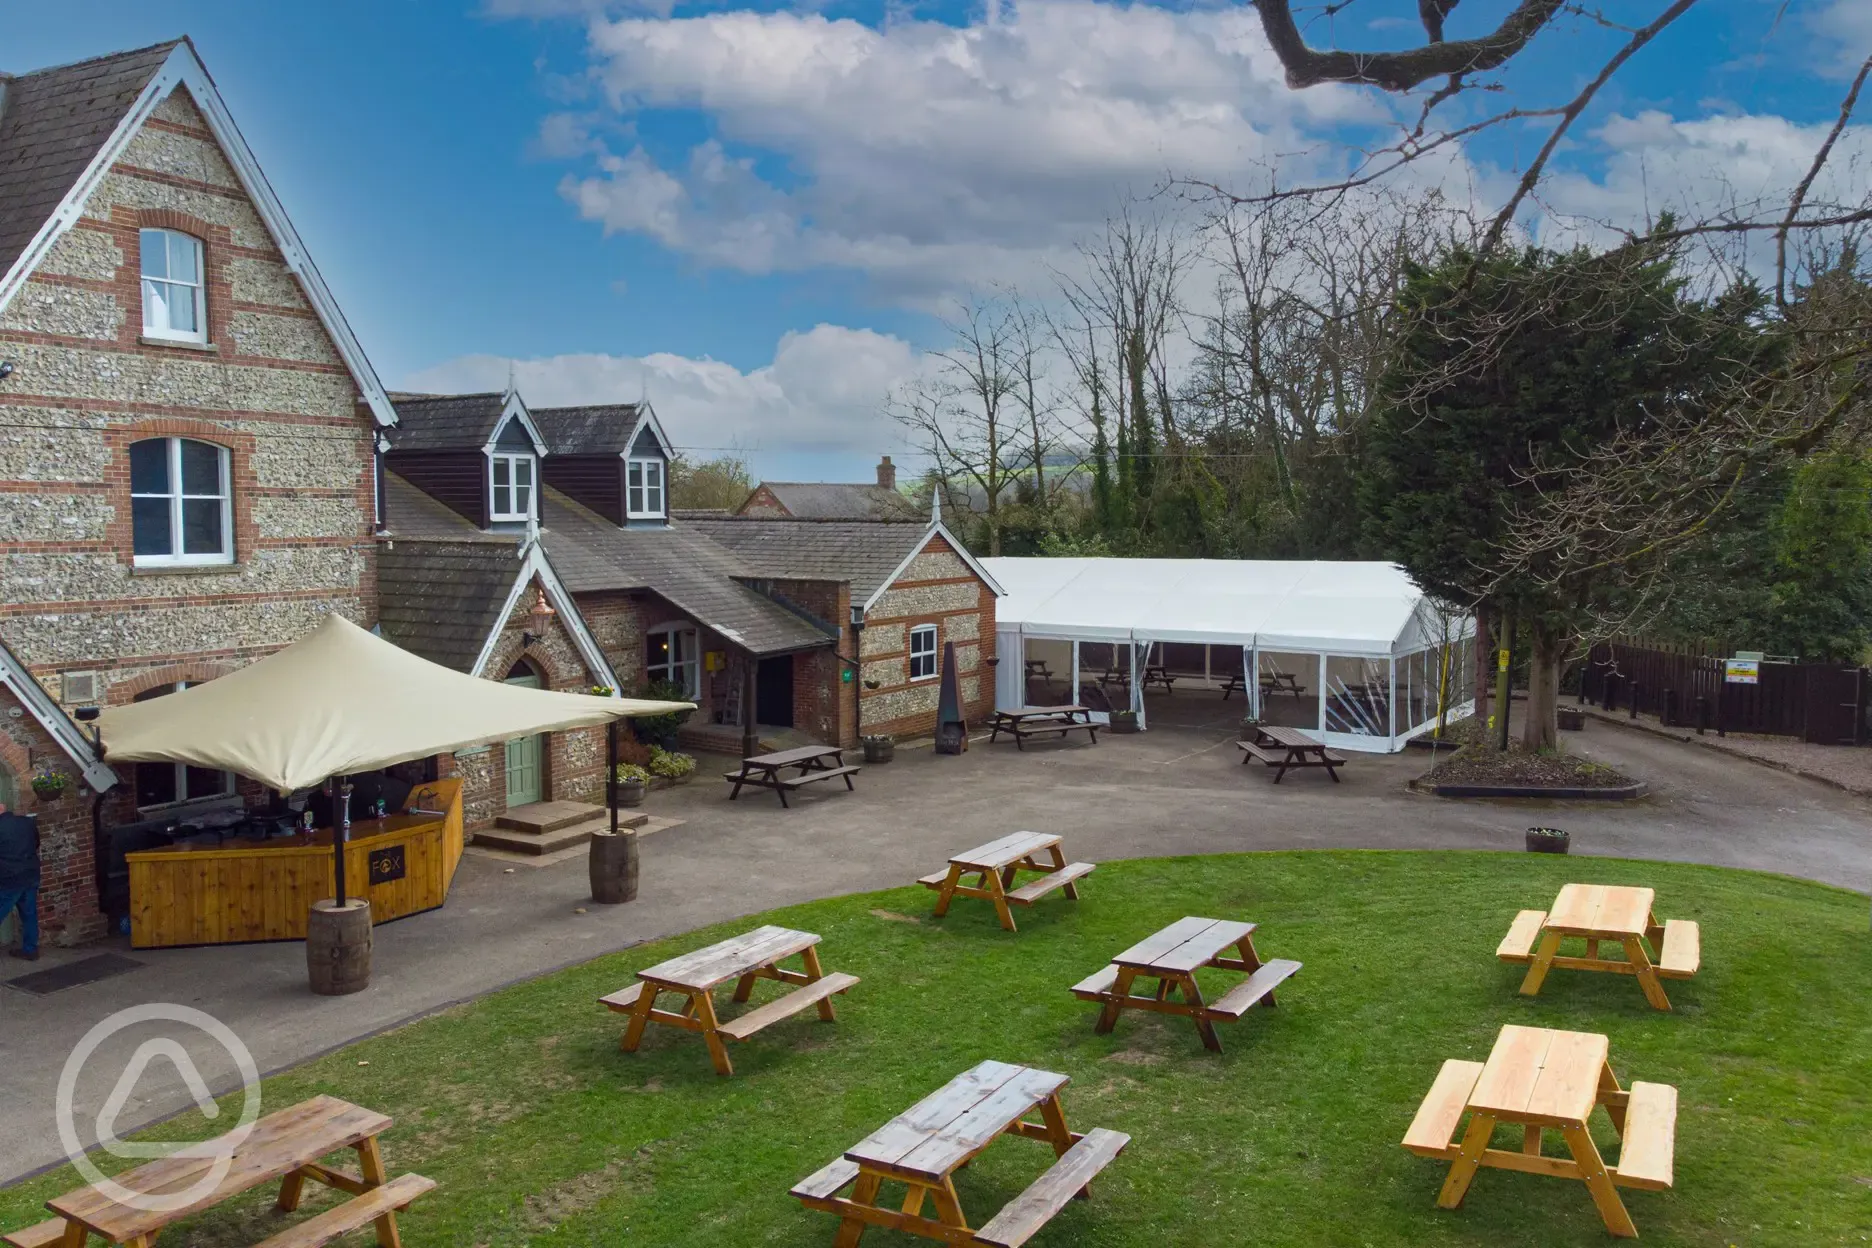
541,1132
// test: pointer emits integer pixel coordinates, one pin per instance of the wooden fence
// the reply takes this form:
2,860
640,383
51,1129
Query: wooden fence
1822,703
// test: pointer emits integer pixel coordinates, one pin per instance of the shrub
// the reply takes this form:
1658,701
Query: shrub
670,764
633,752
657,727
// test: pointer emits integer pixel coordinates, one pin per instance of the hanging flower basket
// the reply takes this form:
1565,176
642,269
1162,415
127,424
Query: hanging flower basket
49,786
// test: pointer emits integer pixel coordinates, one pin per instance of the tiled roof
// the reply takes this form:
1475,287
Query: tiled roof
678,564
52,124
410,514
863,552
440,600
445,422
597,430
835,500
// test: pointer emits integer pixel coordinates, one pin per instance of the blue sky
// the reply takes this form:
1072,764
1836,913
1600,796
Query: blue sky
755,213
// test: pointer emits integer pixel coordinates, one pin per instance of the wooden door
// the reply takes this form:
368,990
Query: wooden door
525,759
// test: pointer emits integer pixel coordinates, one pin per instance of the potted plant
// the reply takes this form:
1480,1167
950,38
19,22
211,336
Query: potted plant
1124,721
1250,728
603,691
670,766
50,785
1547,841
879,747
1571,718
632,780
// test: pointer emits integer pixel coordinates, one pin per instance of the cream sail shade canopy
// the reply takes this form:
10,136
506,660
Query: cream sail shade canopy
340,701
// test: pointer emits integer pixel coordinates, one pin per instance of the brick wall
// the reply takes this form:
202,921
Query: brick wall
823,703
937,588
68,912
762,503
268,386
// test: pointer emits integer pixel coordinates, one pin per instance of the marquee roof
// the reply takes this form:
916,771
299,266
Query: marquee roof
1339,607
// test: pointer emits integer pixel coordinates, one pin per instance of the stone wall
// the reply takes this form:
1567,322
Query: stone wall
268,386
68,903
937,588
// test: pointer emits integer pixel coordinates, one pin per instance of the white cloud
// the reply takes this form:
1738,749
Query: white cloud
824,391
930,156
1845,29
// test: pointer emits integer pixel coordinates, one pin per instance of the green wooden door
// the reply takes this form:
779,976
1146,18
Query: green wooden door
524,756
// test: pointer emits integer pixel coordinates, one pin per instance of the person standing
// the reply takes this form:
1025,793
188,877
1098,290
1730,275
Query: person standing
19,878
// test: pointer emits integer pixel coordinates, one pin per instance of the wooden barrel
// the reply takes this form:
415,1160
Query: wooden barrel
338,947
614,867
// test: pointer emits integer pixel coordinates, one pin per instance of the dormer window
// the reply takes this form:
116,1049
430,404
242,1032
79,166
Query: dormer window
643,489
174,306
513,486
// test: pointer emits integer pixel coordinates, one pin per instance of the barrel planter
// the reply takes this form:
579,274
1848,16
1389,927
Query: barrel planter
613,865
1547,841
338,947
879,749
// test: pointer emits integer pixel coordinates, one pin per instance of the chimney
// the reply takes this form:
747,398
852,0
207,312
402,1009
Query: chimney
887,474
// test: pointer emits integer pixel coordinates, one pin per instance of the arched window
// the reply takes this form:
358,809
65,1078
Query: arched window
174,303
165,784
180,502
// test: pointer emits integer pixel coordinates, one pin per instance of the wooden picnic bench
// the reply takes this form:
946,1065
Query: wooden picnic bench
1548,1080
1601,912
744,959
286,1145
924,1146
1287,748
996,866
1159,676
1172,958
812,763
1041,721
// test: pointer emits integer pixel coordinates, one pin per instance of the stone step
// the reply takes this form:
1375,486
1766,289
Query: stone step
540,843
547,816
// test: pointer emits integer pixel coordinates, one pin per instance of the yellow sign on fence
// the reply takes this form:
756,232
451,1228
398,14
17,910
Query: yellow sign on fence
1742,671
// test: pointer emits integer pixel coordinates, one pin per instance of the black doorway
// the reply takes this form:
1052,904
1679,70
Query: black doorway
773,692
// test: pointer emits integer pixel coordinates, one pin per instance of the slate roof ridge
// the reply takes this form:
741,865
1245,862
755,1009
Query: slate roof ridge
166,45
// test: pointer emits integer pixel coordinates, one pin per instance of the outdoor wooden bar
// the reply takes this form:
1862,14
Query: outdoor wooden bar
251,890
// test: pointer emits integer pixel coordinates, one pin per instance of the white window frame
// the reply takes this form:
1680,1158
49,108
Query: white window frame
176,558
645,476
195,290
228,789
513,463
935,645
683,672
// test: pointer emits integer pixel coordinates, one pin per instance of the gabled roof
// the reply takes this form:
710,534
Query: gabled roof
53,123
459,422
837,500
449,601
598,429
52,717
679,565
410,514
62,129
867,553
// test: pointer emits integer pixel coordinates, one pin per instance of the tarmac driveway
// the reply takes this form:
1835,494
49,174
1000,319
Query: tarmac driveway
1166,792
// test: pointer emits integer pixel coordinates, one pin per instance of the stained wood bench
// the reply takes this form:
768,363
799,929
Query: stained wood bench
1604,914
1041,721
1285,749
1171,957
360,1211
744,959
996,866
810,764
1544,1080
924,1146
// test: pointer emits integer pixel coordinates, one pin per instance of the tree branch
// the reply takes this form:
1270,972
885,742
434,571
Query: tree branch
1401,71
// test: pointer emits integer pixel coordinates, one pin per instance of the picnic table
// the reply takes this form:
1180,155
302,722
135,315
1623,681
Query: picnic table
1038,667
1159,676
996,866
285,1145
1234,683
1281,682
744,959
924,1146
1040,721
1548,1080
812,763
1604,912
1172,958
1285,748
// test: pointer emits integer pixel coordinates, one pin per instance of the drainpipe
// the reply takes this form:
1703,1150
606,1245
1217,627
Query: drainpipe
857,665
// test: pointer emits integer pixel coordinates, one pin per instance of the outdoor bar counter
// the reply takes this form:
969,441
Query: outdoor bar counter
247,889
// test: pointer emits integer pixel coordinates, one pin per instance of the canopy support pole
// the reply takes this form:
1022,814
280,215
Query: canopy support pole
611,766
341,835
